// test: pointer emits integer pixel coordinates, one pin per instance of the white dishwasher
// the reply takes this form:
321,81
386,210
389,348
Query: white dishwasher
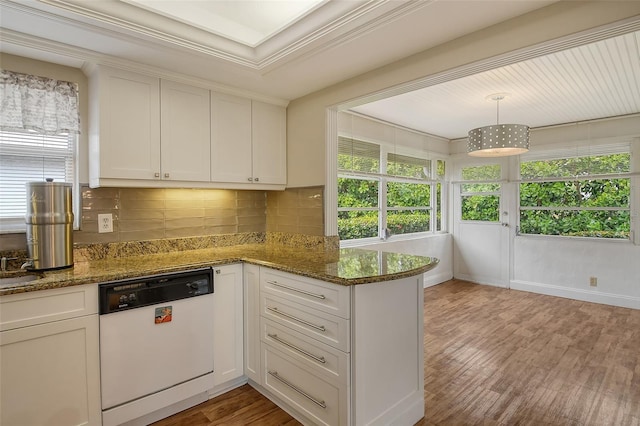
156,345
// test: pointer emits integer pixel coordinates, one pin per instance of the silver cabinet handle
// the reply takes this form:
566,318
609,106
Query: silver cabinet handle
297,389
317,327
308,293
294,347
156,175
166,175
250,179
257,179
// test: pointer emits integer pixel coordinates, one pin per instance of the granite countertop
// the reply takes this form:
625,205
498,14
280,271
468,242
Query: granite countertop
339,266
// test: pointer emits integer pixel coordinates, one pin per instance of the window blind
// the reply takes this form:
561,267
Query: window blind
355,155
29,156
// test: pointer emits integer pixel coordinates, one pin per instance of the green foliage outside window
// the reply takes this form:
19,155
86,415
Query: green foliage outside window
408,200
481,207
576,207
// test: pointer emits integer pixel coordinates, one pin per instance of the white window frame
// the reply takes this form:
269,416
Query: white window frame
587,150
383,179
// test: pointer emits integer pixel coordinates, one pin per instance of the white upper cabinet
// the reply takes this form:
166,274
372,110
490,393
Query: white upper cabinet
269,132
151,132
248,141
184,132
230,138
124,135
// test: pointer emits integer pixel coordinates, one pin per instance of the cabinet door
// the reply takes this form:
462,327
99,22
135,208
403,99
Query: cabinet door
185,132
228,356
230,138
269,130
128,139
51,374
252,323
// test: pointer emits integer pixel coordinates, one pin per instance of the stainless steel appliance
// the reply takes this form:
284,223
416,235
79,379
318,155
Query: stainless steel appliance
156,345
49,222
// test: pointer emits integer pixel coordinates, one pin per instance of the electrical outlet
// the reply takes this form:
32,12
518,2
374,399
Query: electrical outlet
593,281
105,223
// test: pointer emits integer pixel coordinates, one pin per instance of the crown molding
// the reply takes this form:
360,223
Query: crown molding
99,23
335,23
91,59
349,26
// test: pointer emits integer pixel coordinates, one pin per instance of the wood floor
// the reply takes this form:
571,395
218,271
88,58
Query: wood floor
499,357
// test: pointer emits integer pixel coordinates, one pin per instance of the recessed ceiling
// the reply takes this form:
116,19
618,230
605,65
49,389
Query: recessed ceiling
250,22
333,41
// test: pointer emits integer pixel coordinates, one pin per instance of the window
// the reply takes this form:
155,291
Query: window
480,192
382,193
26,157
38,127
580,196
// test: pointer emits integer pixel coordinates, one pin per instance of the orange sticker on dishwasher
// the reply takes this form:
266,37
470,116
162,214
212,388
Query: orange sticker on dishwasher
163,314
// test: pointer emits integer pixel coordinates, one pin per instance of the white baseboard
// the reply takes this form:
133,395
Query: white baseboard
479,280
227,386
431,279
578,294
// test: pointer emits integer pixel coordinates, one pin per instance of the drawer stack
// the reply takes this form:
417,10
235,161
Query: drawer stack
305,344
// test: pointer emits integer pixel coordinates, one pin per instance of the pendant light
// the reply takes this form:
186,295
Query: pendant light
499,140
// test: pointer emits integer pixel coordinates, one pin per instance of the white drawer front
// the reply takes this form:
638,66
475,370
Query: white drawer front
322,359
39,307
329,329
326,297
321,401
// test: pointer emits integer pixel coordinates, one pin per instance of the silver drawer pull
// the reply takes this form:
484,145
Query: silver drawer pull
294,347
317,327
308,293
297,389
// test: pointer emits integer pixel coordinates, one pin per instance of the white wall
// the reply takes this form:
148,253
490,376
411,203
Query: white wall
563,266
439,246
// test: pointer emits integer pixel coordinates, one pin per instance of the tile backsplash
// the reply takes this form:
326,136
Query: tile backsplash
141,214
296,211
150,214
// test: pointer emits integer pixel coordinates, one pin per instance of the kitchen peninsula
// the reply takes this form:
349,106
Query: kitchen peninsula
365,366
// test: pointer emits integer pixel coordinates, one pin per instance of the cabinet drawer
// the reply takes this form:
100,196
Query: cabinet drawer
326,297
37,307
321,401
327,328
320,358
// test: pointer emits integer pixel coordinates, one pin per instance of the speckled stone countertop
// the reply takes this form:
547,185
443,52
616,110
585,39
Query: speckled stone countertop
339,266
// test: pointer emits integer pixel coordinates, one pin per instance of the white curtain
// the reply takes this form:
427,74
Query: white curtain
39,104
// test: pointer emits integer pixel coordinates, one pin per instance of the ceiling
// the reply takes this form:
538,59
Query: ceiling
597,80
336,40
323,42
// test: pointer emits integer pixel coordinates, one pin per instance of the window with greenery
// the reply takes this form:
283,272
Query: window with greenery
581,196
480,193
382,193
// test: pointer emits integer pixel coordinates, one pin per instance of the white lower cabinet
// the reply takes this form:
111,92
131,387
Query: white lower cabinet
342,355
228,326
319,398
49,358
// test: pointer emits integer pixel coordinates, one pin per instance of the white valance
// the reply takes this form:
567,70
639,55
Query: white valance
40,104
